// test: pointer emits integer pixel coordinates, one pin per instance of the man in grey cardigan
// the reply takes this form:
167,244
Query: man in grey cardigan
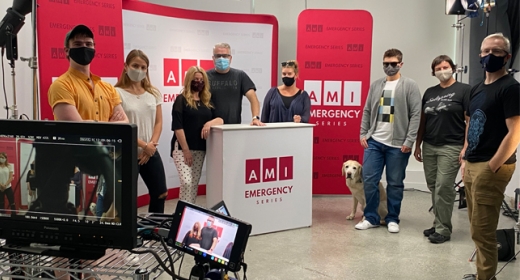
388,130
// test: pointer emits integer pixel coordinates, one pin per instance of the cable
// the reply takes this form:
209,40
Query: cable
149,220
505,265
168,254
24,115
182,259
161,263
244,265
3,83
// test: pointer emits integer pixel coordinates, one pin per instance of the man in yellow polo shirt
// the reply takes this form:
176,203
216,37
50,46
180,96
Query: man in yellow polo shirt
79,95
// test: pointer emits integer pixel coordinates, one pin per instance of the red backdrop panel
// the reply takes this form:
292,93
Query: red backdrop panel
334,52
56,18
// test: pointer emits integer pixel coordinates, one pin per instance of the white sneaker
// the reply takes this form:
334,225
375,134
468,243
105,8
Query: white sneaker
393,227
365,225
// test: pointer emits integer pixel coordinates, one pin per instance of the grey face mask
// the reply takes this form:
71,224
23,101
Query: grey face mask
390,71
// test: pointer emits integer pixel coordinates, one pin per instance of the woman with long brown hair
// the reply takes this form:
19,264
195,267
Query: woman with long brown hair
193,114
192,237
142,105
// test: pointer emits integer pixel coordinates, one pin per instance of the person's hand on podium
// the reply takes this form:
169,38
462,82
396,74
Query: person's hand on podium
204,134
297,118
257,122
188,158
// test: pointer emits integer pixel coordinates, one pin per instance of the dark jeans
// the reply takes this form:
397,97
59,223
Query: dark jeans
10,197
378,156
153,176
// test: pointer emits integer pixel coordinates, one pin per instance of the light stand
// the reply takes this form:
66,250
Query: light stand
33,64
460,28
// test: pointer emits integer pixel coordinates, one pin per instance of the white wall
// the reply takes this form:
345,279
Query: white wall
23,72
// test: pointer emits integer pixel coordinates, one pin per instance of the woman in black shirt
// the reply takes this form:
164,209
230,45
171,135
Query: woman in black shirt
192,117
192,237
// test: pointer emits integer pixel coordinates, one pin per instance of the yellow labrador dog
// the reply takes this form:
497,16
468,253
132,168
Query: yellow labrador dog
353,172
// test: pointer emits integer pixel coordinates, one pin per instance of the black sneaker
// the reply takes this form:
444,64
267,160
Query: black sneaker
469,277
428,232
438,238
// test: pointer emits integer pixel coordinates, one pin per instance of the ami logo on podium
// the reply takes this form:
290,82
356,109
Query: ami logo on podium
269,169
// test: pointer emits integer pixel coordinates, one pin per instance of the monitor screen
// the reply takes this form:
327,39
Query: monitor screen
67,178
208,235
221,208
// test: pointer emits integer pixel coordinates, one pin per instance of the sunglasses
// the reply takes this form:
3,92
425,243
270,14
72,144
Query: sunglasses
288,63
221,55
394,64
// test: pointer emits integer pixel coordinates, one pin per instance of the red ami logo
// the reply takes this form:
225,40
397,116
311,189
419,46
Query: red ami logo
331,93
175,69
269,169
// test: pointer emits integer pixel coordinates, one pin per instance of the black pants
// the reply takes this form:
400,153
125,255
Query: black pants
10,197
153,176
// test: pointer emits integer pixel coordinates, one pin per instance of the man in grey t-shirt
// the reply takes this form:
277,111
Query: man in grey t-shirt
209,235
228,86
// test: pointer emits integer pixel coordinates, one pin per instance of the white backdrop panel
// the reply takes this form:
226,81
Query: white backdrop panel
162,37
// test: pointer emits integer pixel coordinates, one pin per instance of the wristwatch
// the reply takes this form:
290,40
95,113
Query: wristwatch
256,118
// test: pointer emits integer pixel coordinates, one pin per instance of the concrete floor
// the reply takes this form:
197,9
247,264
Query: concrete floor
333,249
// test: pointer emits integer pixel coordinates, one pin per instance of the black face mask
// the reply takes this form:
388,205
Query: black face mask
83,55
32,166
197,86
288,81
492,63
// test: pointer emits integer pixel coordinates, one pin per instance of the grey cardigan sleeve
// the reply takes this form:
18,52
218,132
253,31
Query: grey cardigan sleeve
367,114
414,107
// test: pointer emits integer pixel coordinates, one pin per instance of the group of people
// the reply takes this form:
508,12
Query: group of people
205,237
455,126
208,98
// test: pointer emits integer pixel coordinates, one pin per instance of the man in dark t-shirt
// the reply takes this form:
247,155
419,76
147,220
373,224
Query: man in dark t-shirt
493,135
228,86
209,235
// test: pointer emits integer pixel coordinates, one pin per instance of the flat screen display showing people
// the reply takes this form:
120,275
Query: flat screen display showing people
211,236
55,175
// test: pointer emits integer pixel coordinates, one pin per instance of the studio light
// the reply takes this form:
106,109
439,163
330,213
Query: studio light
14,20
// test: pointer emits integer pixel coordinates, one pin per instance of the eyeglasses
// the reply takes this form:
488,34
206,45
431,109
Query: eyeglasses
485,52
289,63
394,64
221,55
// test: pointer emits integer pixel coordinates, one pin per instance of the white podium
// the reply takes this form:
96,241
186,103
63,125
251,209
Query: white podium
263,174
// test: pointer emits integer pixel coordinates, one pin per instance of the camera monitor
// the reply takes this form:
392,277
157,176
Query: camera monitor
68,185
221,208
208,235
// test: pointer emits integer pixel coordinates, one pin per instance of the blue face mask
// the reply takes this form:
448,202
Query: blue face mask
222,64
208,223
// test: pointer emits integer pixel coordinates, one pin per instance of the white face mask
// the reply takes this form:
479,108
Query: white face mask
2,160
135,75
444,75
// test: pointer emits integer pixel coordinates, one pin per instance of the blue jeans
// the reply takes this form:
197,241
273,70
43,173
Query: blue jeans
375,158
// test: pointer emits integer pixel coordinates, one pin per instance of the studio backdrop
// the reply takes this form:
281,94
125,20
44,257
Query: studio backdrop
174,39
334,50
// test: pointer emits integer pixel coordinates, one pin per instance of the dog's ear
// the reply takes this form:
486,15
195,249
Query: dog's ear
343,170
360,172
